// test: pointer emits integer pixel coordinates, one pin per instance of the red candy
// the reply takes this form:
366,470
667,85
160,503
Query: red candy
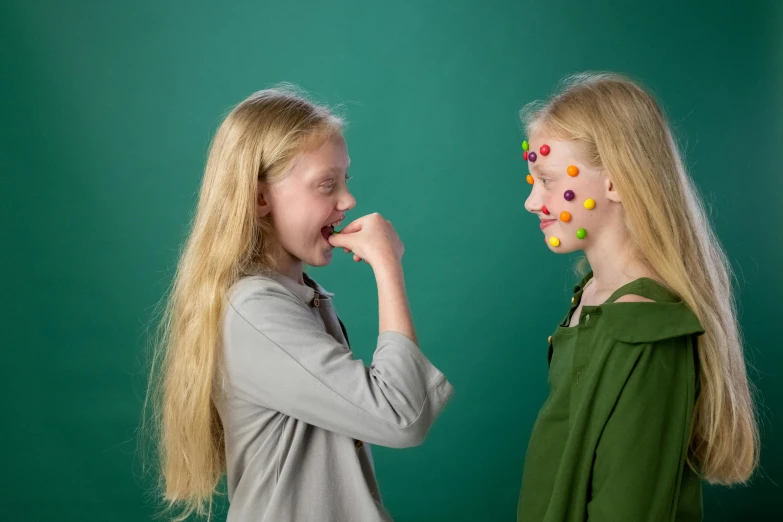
544,150
545,210
524,155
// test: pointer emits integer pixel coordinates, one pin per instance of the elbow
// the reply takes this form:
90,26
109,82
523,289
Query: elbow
404,436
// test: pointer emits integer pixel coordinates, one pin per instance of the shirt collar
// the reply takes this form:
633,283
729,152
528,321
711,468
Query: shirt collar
305,292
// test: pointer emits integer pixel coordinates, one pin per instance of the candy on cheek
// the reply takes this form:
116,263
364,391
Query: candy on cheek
589,204
569,195
565,216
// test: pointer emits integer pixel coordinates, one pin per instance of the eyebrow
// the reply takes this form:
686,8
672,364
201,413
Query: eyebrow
334,170
540,169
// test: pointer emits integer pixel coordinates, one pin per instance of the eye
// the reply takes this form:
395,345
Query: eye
545,181
347,177
328,185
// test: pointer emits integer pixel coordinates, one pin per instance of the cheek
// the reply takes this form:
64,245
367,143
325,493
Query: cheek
567,204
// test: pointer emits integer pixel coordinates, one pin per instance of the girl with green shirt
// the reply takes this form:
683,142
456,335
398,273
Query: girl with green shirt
648,388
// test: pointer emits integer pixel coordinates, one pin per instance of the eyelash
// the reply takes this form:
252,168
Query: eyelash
329,185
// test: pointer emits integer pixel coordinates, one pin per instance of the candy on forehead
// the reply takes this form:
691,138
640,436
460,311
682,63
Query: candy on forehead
532,156
524,155
525,146
573,170
569,195
544,150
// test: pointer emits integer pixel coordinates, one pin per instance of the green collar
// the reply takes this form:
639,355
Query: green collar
665,318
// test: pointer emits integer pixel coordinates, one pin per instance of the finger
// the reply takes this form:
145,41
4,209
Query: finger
353,226
356,258
346,250
344,241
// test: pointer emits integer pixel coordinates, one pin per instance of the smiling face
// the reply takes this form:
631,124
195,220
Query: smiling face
574,201
307,203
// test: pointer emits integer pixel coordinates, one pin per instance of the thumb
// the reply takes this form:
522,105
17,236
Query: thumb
353,226
342,240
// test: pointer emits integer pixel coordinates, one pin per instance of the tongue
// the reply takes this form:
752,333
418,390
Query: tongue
327,231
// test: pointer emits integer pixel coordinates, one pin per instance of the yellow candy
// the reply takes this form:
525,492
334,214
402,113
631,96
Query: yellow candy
589,204
529,179
554,241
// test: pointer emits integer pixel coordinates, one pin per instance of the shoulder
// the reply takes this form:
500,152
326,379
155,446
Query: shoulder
635,319
251,288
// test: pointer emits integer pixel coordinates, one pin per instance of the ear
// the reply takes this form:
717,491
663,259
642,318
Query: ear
611,191
263,207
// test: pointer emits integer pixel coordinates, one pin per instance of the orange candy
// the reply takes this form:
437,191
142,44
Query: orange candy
565,216
573,171
529,179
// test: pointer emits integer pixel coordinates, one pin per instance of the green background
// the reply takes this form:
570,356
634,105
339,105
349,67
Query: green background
107,112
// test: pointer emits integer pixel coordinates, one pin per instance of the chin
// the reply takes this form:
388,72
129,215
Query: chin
563,248
322,259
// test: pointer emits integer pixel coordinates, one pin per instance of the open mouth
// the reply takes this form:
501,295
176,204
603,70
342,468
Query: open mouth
328,230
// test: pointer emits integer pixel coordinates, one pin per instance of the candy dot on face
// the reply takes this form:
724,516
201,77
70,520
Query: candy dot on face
525,145
554,241
529,179
573,171
565,216
525,155
569,195
581,233
544,150
545,210
589,204
532,156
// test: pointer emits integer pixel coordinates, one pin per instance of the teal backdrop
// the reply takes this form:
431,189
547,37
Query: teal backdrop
107,111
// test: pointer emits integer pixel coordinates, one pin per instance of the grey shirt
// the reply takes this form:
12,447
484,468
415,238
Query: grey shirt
297,409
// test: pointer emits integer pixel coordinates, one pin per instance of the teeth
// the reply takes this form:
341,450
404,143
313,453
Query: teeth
337,224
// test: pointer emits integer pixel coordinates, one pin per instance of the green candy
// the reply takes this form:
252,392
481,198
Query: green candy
525,145
581,233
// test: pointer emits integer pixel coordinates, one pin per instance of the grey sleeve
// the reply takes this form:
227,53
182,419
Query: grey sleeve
278,355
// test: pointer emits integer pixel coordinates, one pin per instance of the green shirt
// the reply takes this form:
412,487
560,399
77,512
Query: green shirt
611,441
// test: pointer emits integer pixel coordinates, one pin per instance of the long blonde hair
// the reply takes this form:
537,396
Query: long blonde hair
621,128
257,142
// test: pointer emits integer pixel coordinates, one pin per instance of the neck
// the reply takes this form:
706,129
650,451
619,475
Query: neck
614,262
289,266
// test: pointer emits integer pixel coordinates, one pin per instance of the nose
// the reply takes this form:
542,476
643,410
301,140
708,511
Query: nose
346,201
533,203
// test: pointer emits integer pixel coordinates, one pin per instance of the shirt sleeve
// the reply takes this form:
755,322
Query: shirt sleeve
642,450
278,355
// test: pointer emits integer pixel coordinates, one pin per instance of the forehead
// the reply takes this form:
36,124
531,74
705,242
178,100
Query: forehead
558,154
330,154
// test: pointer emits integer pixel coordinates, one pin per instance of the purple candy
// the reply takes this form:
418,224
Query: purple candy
531,156
569,195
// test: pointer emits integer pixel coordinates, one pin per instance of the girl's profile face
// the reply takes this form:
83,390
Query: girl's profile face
569,197
308,202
